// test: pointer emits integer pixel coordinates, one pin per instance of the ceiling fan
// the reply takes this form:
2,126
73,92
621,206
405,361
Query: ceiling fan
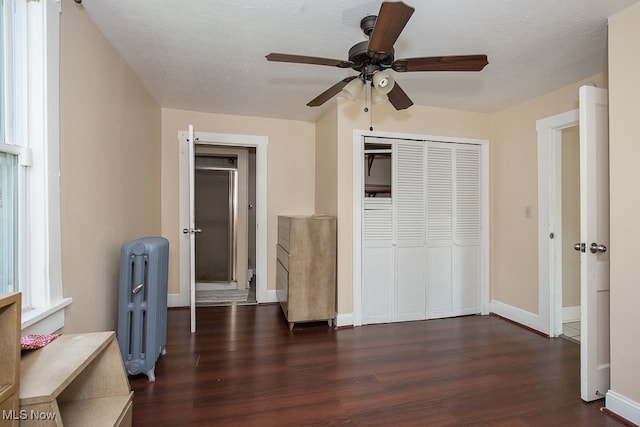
372,57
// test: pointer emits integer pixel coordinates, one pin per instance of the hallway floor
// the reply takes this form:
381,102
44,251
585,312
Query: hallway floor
571,330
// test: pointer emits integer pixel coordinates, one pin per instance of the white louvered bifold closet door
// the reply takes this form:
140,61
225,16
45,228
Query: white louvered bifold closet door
453,229
377,259
409,281
421,246
467,244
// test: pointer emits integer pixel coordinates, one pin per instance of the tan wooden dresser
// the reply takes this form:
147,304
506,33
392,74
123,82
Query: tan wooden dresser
306,268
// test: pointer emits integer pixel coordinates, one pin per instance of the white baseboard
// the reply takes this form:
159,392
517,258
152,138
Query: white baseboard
516,314
623,407
571,314
173,300
270,297
344,319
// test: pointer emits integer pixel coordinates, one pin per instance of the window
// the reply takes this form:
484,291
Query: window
2,70
8,180
29,165
8,222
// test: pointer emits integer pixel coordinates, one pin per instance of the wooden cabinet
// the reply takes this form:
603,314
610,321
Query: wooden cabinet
306,268
76,380
10,310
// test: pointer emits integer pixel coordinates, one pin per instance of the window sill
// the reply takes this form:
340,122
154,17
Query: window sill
46,320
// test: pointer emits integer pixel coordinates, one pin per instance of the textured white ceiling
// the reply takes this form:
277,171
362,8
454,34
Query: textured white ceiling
208,55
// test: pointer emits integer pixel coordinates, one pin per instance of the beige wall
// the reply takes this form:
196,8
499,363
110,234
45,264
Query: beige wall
110,169
570,216
326,183
290,180
514,237
624,152
418,120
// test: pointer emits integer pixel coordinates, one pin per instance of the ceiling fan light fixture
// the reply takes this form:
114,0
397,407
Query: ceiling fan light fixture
378,96
353,89
383,82
371,58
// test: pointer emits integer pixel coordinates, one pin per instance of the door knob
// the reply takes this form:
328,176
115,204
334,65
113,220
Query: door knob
191,230
596,248
580,247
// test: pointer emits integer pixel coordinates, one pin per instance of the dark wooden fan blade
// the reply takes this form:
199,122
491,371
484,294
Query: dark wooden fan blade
398,98
330,93
441,63
392,18
299,59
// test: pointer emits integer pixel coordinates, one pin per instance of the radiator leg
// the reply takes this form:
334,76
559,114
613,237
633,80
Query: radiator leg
151,374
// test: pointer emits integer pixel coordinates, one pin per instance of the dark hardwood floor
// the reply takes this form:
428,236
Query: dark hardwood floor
244,367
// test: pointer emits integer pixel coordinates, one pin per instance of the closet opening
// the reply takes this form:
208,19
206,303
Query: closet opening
377,179
420,227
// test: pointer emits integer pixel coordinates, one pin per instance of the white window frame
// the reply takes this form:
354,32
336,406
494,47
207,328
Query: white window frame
33,126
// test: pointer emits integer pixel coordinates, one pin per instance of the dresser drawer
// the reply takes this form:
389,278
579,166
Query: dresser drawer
282,287
283,257
283,232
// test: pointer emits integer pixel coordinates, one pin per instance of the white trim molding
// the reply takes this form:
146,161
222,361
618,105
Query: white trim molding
550,294
229,140
343,319
45,321
571,314
518,315
623,406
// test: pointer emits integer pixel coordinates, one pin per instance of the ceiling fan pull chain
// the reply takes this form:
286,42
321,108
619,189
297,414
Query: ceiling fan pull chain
366,97
370,116
368,105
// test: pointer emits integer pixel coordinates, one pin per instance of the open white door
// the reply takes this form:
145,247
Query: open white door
192,229
594,237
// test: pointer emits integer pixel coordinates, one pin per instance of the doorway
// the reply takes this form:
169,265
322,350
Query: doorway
256,149
593,243
551,235
216,191
569,260
221,190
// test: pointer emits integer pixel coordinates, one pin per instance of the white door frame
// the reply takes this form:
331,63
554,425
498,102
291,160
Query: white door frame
358,174
550,220
229,140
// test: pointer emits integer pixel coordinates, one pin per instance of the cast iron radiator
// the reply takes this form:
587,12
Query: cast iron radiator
142,304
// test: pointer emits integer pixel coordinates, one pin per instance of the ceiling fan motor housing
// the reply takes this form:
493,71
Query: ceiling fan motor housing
367,23
366,65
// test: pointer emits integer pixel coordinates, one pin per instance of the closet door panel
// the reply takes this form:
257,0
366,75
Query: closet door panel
377,285
466,297
377,261
467,230
410,284
409,194
439,229
439,279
